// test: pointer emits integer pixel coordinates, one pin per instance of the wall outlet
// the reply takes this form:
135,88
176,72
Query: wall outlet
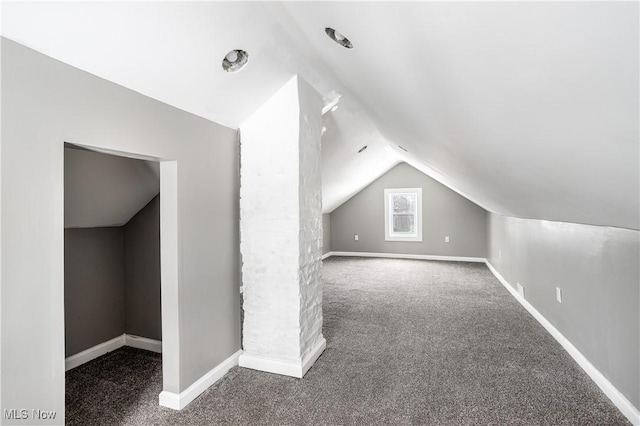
355,237
520,289
446,239
559,294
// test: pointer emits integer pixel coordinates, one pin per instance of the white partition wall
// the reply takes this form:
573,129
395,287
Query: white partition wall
281,232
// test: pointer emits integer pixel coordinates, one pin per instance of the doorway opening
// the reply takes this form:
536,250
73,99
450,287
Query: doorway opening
114,261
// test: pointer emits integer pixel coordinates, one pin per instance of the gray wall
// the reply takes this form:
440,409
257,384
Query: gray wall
102,190
142,272
444,212
597,269
46,103
326,233
112,281
93,287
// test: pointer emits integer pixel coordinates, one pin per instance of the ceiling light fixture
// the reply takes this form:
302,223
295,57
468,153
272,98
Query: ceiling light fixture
362,149
330,101
338,38
334,108
235,60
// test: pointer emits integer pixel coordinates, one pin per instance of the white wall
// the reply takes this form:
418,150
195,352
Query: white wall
47,103
269,226
281,231
310,205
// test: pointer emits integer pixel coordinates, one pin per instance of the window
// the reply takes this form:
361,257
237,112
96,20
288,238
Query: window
403,214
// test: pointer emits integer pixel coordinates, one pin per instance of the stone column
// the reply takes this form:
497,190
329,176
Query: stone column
281,232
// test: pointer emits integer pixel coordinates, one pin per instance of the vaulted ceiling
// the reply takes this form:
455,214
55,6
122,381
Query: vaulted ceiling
529,109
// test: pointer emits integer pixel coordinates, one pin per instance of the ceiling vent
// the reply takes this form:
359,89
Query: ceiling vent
338,38
235,60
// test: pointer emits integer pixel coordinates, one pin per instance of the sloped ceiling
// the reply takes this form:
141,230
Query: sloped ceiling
527,108
103,190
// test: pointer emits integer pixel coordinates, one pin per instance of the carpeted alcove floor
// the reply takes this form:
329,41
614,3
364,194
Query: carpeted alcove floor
408,342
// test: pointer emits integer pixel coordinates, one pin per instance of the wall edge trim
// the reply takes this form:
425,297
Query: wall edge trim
405,256
295,369
178,401
93,352
143,343
100,349
312,357
619,400
285,368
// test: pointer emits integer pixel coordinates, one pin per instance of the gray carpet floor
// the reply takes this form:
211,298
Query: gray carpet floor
408,342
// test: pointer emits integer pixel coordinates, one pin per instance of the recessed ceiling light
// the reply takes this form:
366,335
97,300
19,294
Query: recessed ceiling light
362,149
235,60
338,38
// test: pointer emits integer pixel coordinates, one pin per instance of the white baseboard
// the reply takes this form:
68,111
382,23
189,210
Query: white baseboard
327,254
624,405
94,352
111,345
179,401
405,256
143,343
285,368
312,357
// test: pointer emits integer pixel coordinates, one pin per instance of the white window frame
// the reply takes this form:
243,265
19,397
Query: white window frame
389,235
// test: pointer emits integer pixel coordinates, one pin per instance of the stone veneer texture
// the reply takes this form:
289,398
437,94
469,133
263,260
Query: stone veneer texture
281,225
310,194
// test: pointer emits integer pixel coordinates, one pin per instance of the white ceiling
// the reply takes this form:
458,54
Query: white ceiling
527,108
103,190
